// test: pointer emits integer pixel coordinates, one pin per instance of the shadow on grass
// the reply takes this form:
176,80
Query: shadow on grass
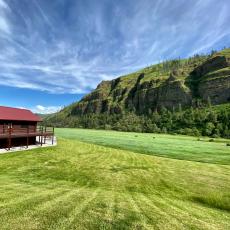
216,201
125,168
129,220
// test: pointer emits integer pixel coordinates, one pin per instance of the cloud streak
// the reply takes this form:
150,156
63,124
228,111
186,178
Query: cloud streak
70,46
40,109
4,24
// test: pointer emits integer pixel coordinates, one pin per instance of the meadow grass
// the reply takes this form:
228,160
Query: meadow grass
79,185
164,145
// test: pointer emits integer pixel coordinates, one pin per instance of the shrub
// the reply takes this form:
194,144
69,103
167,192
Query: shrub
195,132
108,127
191,132
209,128
211,140
215,136
164,130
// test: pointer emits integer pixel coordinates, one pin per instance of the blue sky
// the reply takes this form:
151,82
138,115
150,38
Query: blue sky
54,52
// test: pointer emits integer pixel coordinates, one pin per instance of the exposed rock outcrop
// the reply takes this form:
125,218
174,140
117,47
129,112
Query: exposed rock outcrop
212,64
217,90
151,89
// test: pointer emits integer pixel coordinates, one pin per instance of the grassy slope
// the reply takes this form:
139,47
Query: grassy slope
85,186
157,71
178,147
160,74
154,72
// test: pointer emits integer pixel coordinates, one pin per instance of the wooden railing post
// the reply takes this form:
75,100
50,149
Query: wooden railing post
41,135
9,138
45,136
53,136
27,138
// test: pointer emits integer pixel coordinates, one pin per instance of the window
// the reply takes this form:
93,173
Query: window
24,126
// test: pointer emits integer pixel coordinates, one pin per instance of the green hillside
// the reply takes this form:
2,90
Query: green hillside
78,185
167,84
177,96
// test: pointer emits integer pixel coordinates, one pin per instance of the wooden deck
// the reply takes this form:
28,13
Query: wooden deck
8,134
31,134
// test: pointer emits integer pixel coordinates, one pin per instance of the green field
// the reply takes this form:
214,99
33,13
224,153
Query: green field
116,180
170,146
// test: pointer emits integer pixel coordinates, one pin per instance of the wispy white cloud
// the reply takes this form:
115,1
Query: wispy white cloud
40,109
4,23
70,46
3,4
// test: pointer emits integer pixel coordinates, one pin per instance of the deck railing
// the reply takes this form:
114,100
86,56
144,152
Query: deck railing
42,132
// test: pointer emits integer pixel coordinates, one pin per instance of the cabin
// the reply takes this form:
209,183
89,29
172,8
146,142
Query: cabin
21,127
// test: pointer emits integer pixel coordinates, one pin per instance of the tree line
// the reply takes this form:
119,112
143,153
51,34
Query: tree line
192,121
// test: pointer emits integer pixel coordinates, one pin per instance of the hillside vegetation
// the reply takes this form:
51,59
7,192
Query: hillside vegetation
78,185
213,121
168,84
157,97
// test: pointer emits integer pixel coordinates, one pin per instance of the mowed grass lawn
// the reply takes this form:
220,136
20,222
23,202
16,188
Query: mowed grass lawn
83,185
170,146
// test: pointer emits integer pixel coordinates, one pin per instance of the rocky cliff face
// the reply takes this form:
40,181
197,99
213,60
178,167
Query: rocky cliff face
139,97
213,78
155,94
157,86
218,90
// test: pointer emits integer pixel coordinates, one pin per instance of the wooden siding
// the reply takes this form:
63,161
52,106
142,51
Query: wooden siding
17,126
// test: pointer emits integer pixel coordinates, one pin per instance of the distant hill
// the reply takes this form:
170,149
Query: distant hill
166,84
173,85
43,115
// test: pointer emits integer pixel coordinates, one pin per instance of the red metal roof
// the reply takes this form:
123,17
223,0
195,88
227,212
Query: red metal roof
14,114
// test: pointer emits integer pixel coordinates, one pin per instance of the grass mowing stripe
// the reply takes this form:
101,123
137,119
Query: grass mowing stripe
143,217
52,210
170,146
79,209
31,201
177,218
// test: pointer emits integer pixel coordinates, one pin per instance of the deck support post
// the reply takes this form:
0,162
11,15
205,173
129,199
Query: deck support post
9,139
27,138
41,135
45,136
53,137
